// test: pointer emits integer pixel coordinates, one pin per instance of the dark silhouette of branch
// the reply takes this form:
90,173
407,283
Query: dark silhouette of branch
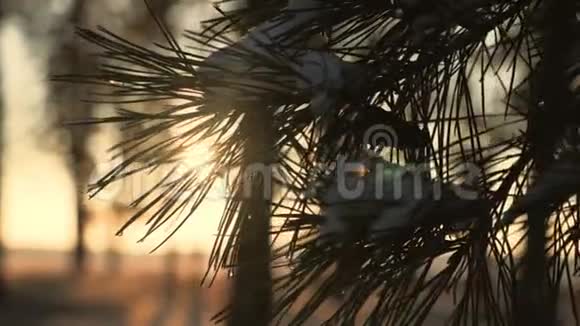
537,296
421,70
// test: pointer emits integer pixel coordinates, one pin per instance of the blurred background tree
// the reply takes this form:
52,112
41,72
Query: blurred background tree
71,56
44,157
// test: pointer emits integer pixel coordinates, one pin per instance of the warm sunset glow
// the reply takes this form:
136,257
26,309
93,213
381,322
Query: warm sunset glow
38,208
36,203
34,174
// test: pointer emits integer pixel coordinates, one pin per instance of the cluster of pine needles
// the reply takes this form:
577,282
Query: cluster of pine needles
440,84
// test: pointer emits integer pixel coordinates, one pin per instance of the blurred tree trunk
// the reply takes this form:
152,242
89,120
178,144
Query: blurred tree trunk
537,295
252,296
69,58
80,157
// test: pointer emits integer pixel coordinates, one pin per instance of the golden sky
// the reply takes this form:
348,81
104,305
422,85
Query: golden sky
38,195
